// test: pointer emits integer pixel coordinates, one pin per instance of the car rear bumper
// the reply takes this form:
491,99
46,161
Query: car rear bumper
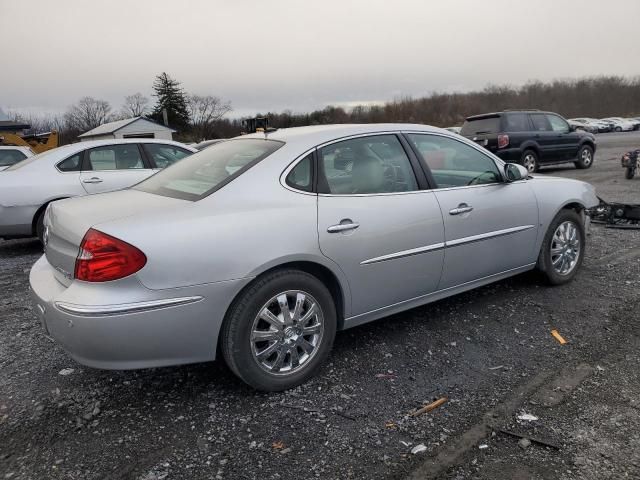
509,154
144,328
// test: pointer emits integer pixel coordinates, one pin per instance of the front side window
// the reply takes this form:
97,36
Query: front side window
201,174
558,124
453,163
115,157
9,157
165,155
540,122
366,165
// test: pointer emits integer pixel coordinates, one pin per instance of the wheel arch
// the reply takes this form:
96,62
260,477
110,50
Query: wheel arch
332,278
42,208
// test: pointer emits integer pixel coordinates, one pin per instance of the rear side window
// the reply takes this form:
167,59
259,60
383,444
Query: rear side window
71,164
365,165
302,175
516,122
540,122
203,173
9,157
481,126
165,155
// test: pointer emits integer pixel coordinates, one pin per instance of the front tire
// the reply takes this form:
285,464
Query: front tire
585,157
529,161
279,331
630,173
563,248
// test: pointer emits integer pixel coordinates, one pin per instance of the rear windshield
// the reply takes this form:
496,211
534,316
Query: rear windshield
204,172
481,126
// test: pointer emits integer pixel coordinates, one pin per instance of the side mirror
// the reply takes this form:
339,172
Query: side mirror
514,172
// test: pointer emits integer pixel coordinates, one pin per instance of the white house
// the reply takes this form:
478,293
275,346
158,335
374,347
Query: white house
137,127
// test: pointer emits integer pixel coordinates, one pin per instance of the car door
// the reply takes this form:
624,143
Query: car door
377,223
113,167
567,141
162,155
545,137
490,225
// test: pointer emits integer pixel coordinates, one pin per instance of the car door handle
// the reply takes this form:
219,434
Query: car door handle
92,180
343,227
462,208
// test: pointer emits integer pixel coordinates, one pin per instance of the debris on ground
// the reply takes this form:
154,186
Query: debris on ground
527,417
418,449
558,337
429,407
66,371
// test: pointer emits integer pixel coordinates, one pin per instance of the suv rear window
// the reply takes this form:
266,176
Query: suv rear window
203,173
481,126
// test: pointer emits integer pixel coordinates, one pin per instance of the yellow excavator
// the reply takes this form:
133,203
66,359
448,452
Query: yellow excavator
39,143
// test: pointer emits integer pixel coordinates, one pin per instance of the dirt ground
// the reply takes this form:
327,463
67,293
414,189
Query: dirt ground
490,352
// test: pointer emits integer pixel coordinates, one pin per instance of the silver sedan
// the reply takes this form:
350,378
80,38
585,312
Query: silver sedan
263,246
27,187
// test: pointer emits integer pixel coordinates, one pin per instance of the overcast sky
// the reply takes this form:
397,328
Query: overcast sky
301,55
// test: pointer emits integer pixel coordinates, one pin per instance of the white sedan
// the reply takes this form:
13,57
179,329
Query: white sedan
27,187
620,124
10,155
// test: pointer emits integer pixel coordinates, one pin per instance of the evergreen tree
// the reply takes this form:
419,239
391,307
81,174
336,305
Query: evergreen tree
172,98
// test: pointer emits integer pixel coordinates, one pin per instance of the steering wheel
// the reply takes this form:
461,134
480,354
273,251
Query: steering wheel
474,180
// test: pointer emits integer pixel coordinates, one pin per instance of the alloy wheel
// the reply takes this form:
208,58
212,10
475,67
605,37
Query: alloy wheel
287,332
529,162
565,248
586,157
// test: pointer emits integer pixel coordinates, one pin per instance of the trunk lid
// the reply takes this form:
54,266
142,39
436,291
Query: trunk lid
68,221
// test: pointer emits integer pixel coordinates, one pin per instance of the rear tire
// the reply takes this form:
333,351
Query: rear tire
529,161
563,248
617,129
585,157
270,355
630,173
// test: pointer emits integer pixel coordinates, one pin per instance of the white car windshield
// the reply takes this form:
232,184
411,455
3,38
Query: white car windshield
201,174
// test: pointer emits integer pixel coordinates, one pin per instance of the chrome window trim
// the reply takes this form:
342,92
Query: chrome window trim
124,308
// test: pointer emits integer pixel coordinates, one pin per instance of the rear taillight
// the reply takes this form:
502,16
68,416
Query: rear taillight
103,258
503,140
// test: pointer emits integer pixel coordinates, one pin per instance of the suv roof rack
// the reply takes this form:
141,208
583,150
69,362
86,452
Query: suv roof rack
521,110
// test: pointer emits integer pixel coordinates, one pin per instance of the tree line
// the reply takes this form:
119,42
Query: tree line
199,117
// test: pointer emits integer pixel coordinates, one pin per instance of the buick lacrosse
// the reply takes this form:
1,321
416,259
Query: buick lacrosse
263,246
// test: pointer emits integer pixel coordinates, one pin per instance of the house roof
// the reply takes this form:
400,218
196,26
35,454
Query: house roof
113,127
9,126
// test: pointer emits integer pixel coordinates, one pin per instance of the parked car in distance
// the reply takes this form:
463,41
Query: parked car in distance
27,187
620,124
531,138
264,245
635,122
584,125
10,155
207,143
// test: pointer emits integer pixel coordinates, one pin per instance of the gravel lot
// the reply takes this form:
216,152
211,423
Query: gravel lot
490,352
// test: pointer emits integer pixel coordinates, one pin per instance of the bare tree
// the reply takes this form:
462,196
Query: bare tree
204,112
87,114
136,105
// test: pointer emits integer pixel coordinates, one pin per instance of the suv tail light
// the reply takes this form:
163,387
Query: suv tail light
103,258
503,140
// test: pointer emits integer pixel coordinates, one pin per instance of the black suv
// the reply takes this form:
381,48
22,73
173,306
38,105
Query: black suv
531,138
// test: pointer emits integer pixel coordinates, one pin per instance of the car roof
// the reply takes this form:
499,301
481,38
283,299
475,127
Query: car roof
504,112
319,134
